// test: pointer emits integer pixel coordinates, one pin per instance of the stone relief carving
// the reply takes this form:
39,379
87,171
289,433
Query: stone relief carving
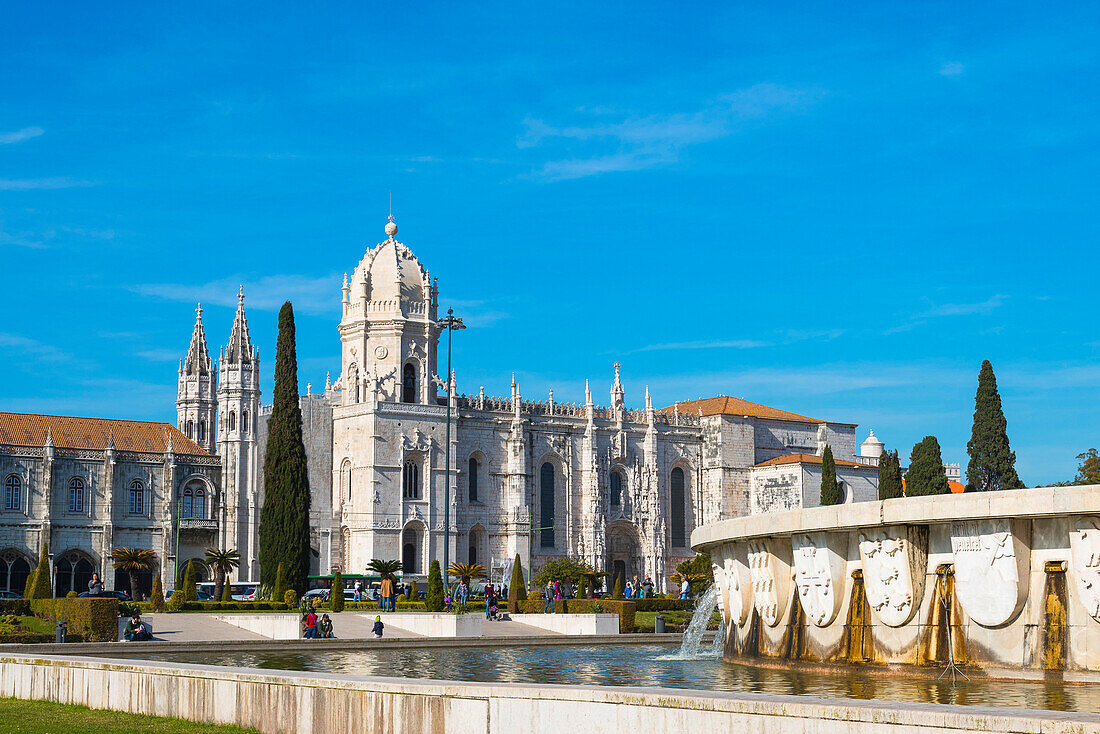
734,587
990,561
818,576
893,560
417,442
1084,544
770,579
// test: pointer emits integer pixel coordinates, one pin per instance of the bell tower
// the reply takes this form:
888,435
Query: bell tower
196,404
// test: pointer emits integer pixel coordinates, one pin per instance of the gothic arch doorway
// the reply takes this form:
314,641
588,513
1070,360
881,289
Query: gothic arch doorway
624,553
74,571
412,544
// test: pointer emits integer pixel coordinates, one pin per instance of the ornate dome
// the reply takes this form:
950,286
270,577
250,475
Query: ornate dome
391,272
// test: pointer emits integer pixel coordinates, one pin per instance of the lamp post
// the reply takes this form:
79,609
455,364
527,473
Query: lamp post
451,324
176,570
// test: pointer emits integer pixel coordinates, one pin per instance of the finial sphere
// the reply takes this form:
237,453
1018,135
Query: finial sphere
391,227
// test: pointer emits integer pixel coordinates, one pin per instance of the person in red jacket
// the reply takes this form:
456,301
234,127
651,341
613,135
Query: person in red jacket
311,625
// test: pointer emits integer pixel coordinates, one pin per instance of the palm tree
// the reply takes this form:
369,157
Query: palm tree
222,562
134,561
466,571
383,568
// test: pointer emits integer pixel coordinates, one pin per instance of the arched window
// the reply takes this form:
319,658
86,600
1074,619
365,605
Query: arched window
408,383
202,430
345,478
137,498
410,481
616,489
14,571
190,429
676,496
74,571
13,492
194,503
232,421
76,495
410,548
473,480
546,495
244,422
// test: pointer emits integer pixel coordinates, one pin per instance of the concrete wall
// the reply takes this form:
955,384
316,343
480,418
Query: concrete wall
274,626
1000,580
279,702
433,624
572,624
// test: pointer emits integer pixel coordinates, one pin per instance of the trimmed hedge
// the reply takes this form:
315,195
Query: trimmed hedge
94,619
18,607
625,610
665,605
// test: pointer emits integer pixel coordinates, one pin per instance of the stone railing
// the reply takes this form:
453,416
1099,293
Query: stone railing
1005,580
197,523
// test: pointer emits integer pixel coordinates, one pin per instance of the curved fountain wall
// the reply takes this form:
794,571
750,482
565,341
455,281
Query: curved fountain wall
993,579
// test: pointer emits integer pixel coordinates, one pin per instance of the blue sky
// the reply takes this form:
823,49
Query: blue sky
833,210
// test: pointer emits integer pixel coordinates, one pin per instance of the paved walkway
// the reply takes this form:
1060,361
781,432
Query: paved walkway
194,627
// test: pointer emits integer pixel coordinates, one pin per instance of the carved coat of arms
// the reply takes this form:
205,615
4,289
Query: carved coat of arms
1084,545
893,586
770,578
734,587
818,576
989,564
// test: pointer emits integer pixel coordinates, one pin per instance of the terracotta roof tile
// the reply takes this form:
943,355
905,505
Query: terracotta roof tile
725,405
29,429
807,459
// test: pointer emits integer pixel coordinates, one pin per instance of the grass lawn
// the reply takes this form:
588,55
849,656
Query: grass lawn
34,624
43,717
675,621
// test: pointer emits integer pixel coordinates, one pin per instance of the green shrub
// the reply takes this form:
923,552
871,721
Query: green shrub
414,592
156,599
517,589
278,592
19,607
664,604
401,597
93,618
290,598
433,601
618,592
337,595
71,595
128,609
227,593
41,589
190,588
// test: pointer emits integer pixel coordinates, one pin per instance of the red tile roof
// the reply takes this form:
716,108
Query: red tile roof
29,429
725,405
808,459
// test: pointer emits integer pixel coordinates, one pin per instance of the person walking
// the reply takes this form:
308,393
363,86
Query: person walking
628,590
490,600
685,589
378,627
647,588
387,593
549,606
358,590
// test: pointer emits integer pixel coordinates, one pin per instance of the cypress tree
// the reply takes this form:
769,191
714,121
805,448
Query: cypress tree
992,463
190,589
28,587
284,520
830,490
280,588
889,476
433,600
337,593
619,589
517,589
926,475
156,598
42,588
227,593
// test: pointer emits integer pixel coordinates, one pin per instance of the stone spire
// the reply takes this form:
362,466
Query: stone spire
239,350
197,361
617,393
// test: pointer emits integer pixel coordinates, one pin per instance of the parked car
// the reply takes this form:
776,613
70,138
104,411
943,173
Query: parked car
10,595
203,596
120,595
323,595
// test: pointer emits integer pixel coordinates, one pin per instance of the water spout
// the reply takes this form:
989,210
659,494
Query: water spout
693,636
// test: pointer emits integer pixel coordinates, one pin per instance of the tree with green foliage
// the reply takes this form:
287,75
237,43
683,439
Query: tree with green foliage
830,489
992,463
517,588
568,570
926,475
433,600
699,572
284,520
278,591
466,571
414,592
889,476
42,588
222,561
156,598
227,593
1088,471
134,561
28,587
190,588
618,592
336,594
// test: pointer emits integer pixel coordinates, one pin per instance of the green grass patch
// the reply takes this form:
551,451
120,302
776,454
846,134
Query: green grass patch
44,717
675,621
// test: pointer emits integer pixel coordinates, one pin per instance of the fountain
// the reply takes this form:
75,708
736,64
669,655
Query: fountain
691,646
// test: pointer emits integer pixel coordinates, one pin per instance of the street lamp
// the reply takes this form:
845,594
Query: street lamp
451,324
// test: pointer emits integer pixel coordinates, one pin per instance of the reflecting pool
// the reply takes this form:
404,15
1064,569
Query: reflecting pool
656,665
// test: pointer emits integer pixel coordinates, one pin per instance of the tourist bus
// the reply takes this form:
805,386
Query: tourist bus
240,590
371,583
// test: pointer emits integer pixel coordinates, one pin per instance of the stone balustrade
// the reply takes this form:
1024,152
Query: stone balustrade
1001,580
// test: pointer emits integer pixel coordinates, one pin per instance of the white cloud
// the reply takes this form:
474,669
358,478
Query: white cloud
309,295
714,344
981,308
20,135
638,142
29,184
161,355
953,68
26,345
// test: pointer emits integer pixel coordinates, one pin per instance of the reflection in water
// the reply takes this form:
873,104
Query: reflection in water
650,665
